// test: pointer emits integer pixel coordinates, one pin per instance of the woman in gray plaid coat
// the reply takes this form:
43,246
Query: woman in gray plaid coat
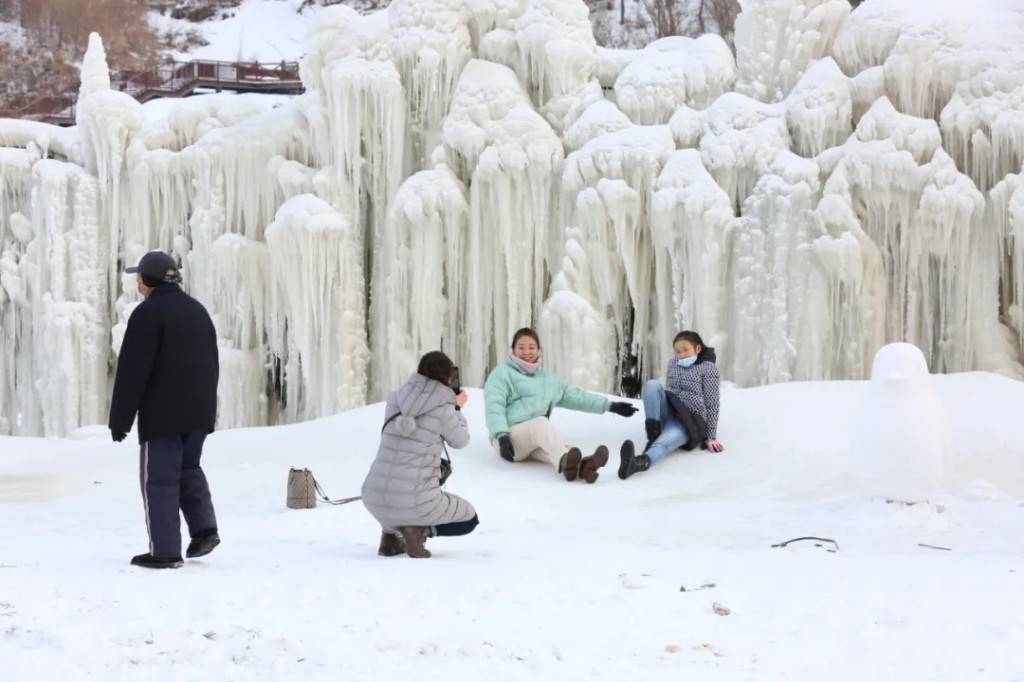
682,413
403,489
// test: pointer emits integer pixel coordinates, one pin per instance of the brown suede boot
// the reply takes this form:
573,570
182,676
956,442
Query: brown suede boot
390,544
415,537
569,465
590,465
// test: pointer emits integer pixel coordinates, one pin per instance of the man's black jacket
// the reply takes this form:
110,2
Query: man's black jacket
168,367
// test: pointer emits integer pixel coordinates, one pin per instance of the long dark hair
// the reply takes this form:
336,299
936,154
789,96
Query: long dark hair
706,351
437,366
525,331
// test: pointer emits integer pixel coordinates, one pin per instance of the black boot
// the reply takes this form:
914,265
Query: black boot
630,462
202,544
653,428
149,561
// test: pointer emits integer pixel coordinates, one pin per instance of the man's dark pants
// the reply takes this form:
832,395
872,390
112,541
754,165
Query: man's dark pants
171,479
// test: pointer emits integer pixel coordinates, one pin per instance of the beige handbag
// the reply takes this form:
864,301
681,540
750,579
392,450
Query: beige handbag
304,491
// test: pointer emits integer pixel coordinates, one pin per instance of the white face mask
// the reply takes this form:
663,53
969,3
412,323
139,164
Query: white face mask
687,362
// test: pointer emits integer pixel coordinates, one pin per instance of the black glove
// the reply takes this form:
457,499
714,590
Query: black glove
118,436
505,447
623,409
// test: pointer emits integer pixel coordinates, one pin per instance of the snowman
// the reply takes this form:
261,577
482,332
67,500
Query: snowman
901,442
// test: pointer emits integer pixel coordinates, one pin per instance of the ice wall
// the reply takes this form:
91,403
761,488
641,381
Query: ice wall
458,169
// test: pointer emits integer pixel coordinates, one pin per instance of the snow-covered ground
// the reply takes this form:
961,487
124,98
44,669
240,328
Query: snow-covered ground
560,582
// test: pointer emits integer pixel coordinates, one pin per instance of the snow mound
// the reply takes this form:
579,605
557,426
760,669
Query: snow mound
904,442
673,72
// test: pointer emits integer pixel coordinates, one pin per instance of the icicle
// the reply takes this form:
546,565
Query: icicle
580,341
924,217
853,279
365,113
13,308
431,44
607,188
1005,213
160,201
15,186
552,48
60,343
777,39
236,160
420,303
318,329
689,224
960,68
511,158
984,133
777,313
486,15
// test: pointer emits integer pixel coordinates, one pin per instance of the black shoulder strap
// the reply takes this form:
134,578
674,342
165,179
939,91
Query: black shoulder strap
390,419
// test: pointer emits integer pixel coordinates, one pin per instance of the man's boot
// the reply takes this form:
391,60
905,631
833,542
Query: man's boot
202,544
149,561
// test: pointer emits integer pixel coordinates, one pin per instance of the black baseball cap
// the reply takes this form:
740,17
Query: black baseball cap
157,265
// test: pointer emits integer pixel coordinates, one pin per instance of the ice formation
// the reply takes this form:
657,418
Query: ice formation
673,72
422,302
776,40
460,168
510,158
317,327
957,63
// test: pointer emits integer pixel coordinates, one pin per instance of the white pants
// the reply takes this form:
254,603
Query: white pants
536,439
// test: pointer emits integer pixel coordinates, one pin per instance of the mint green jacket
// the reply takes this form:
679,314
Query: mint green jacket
512,397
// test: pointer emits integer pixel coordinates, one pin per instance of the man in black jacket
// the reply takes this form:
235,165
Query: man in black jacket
167,373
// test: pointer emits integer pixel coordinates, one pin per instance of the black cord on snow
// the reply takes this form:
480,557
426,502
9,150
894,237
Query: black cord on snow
809,537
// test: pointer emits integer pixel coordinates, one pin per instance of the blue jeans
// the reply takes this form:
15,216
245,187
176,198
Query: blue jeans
673,433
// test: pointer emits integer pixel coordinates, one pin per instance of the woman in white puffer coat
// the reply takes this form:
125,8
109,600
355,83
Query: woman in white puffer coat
403,489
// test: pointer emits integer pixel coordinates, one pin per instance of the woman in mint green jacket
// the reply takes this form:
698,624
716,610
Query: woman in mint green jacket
520,396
